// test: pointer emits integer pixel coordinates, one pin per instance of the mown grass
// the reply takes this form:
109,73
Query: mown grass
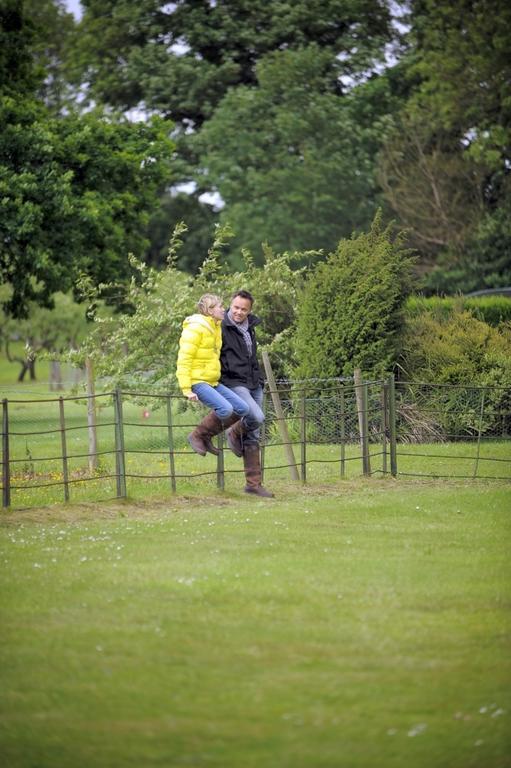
346,624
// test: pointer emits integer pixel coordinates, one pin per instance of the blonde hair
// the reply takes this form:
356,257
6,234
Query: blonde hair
207,302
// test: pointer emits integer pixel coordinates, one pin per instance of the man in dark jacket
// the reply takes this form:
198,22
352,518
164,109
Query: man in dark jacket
240,372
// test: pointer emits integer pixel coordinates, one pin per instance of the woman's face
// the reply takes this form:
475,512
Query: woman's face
217,311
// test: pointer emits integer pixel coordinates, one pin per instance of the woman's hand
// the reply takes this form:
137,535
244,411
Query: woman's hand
192,396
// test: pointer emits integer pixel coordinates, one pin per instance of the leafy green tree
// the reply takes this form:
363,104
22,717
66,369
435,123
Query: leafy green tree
445,168
293,160
51,331
181,58
53,37
75,191
200,220
76,194
351,310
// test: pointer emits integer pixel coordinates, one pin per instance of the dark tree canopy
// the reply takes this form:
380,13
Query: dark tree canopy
76,191
292,160
292,113
181,58
446,167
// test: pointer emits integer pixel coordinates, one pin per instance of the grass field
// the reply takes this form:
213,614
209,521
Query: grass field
346,624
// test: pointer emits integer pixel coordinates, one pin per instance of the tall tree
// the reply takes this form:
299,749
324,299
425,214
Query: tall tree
76,194
75,191
446,167
292,159
53,35
351,310
181,58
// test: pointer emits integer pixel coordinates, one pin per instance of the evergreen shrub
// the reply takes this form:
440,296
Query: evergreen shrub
351,310
350,315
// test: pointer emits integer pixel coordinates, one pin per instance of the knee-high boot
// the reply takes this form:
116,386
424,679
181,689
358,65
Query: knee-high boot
252,465
234,437
201,437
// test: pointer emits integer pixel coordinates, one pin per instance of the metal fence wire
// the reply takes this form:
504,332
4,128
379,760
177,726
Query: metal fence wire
88,447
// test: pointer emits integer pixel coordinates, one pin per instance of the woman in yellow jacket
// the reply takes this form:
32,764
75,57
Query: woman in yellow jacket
198,373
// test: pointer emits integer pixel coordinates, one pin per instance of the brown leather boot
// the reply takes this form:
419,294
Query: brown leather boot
210,426
252,465
234,437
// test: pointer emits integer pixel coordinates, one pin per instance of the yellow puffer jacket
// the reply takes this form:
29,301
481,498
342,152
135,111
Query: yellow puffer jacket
198,358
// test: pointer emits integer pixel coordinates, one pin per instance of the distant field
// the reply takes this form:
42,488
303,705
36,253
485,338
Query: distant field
349,624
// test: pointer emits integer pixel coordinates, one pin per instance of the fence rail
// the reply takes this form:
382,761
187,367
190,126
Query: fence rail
380,427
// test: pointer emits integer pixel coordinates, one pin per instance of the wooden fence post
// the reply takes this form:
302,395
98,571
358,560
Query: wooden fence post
64,448
171,445
6,469
281,421
361,399
343,430
91,416
392,426
303,435
119,445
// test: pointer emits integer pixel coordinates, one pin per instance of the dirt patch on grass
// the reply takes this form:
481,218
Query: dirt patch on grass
286,493
109,510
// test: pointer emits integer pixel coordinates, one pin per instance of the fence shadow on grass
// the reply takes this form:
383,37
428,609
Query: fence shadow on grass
115,443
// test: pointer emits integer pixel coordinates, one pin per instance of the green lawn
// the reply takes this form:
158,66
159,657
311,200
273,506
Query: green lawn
347,624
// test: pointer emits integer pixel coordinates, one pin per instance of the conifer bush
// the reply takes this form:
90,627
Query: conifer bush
351,311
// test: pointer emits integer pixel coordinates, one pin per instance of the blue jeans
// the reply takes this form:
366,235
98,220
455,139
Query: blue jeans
223,401
255,417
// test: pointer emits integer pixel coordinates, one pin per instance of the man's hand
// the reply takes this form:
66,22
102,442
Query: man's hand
192,396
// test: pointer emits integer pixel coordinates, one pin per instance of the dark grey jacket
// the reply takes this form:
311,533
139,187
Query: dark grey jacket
238,368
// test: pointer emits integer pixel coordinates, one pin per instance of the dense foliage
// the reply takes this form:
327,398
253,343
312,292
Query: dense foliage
445,168
240,67
351,311
490,309
75,190
453,349
141,345
182,58
75,196
295,121
291,159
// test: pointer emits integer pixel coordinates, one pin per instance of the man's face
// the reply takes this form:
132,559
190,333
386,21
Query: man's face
240,308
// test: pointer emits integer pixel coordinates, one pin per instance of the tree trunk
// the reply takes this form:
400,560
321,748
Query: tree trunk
55,375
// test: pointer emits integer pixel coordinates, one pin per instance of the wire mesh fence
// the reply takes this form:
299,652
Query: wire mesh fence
119,443
469,425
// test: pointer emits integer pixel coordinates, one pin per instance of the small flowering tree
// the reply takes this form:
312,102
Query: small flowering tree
139,346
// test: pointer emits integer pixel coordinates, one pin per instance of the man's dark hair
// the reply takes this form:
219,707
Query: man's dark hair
244,295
